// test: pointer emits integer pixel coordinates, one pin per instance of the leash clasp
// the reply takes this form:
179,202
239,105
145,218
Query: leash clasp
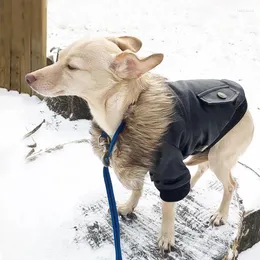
104,141
105,160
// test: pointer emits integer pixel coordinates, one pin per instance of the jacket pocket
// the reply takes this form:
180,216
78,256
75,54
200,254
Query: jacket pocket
219,95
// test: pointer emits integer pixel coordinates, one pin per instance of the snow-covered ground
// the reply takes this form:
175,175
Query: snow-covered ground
39,200
251,254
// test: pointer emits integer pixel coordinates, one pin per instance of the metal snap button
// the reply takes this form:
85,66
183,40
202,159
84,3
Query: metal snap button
221,95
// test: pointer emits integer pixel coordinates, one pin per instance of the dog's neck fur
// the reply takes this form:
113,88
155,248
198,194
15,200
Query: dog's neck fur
109,109
147,120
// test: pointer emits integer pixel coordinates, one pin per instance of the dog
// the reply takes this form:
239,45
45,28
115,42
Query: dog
165,123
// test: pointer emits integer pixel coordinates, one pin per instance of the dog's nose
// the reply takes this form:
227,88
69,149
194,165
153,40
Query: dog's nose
30,78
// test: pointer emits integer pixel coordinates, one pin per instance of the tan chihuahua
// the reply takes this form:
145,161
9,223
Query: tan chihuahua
165,122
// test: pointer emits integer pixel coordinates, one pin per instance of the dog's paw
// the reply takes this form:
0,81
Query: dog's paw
218,219
166,241
125,209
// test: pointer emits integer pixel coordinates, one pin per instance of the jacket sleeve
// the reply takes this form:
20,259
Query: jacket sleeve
170,175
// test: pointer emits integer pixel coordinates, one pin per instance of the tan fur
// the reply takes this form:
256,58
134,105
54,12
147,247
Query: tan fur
222,157
118,86
132,157
166,238
197,159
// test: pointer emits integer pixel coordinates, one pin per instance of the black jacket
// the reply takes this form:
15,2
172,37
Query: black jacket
205,110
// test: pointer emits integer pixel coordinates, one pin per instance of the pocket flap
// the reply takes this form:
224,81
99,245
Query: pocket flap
219,95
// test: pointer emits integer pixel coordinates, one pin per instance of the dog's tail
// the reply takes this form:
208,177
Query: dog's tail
198,159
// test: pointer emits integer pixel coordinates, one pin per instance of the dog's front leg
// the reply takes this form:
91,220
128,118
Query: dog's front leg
166,238
130,205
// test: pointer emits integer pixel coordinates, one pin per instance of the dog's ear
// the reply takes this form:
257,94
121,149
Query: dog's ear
127,65
127,43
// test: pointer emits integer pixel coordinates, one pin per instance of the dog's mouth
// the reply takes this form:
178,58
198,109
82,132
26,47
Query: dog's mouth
47,92
59,93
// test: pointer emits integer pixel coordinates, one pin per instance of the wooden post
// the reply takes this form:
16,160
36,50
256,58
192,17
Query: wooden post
23,28
5,44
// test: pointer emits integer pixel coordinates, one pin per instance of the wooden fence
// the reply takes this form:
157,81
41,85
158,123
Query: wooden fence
23,27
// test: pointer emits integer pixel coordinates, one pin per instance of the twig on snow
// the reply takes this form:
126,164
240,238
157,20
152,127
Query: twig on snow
34,130
258,174
32,155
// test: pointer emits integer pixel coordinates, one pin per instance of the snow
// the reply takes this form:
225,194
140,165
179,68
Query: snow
39,200
250,254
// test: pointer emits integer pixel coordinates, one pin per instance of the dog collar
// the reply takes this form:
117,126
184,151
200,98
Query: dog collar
108,144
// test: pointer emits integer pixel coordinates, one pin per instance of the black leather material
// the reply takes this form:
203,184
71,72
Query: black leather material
204,111
213,96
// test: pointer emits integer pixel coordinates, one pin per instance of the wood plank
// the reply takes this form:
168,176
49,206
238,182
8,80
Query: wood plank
250,234
38,34
16,44
195,237
5,38
23,33
25,65
71,107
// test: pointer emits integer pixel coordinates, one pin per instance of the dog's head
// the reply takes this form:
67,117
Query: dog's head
91,67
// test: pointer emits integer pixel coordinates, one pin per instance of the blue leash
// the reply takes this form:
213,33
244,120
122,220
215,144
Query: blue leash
109,189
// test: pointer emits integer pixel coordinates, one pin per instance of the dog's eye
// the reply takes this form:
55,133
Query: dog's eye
70,67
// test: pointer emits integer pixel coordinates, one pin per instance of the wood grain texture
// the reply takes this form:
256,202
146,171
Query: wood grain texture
23,32
5,43
250,234
38,35
16,46
25,65
196,239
